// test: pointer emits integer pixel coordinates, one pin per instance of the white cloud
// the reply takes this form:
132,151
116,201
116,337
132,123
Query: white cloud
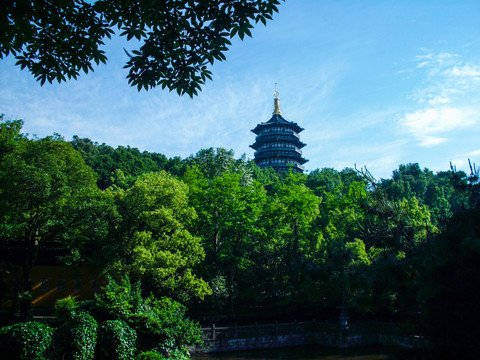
474,153
437,100
423,64
430,126
446,100
471,71
436,120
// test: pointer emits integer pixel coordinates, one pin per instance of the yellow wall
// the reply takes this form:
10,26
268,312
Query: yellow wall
51,283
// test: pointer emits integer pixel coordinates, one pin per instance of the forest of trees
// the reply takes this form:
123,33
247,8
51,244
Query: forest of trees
226,238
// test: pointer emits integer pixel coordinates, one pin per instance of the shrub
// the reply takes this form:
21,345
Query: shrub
174,324
116,340
150,355
30,340
164,321
119,299
155,321
77,337
172,351
66,307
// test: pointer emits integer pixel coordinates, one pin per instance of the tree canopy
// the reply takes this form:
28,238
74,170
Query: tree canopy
56,40
151,242
213,230
47,196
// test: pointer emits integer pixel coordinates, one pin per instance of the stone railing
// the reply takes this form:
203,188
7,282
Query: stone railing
258,336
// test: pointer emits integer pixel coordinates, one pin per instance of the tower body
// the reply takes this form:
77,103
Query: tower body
277,143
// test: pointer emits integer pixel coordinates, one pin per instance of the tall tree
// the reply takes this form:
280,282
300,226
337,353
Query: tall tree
109,163
344,252
396,233
228,212
288,222
56,40
326,179
214,162
47,196
450,306
152,243
435,191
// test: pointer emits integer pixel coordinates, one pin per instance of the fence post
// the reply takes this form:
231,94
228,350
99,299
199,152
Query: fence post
343,317
213,332
236,331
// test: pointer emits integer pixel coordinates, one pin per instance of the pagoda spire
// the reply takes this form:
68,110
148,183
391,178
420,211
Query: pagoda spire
276,103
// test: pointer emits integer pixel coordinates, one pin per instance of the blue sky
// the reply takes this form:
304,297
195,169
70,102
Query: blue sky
374,83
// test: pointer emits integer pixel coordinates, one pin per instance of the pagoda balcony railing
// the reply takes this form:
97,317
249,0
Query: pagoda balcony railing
283,150
277,132
276,143
283,138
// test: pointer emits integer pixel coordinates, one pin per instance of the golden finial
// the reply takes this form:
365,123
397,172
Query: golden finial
276,103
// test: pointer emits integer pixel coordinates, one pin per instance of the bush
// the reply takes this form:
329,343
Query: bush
30,340
161,325
65,308
150,355
165,320
155,321
119,299
172,351
116,340
174,323
77,338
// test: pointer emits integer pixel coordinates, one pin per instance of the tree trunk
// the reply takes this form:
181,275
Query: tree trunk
295,256
26,310
231,289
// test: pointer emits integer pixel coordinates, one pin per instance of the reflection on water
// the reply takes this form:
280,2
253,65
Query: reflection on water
309,353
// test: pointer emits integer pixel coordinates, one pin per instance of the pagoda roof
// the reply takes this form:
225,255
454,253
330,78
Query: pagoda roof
271,156
277,119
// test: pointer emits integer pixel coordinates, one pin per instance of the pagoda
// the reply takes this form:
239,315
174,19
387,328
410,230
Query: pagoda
277,143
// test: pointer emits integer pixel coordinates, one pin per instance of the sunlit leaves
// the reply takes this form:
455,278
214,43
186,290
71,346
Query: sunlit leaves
152,242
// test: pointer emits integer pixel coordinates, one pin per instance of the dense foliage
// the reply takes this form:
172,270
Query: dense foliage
77,337
157,321
48,197
153,242
117,341
227,238
118,324
122,165
56,40
26,341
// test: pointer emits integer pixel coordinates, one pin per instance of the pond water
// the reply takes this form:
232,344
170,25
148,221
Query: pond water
312,353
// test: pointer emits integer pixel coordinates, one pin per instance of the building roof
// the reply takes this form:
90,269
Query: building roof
277,119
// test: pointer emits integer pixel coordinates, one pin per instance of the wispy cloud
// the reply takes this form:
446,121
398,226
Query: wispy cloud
474,153
446,100
431,125
108,110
